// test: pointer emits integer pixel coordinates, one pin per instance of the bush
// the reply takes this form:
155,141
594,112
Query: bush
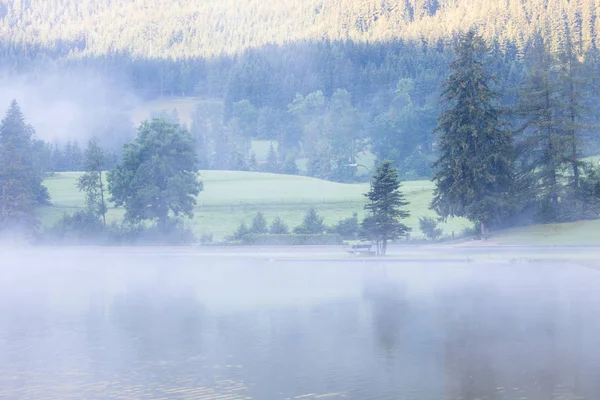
291,240
131,233
348,228
312,224
278,227
206,238
428,226
81,227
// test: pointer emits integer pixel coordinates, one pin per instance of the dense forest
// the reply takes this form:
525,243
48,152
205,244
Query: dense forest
326,79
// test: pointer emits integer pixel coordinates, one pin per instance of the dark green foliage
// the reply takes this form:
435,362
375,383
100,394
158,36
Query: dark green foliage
158,174
278,227
259,224
429,227
348,228
473,175
385,208
91,182
542,146
20,174
292,240
312,224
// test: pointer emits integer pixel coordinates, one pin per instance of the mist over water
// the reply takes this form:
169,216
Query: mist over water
126,324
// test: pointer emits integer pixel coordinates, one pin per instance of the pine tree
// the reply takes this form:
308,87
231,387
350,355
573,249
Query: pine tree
312,224
542,148
385,208
21,186
278,227
473,174
91,183
272,164
259,224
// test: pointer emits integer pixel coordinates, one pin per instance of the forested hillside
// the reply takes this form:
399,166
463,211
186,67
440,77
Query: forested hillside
199,28
325,79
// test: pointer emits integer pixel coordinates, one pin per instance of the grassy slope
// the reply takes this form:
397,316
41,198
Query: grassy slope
575,233
231,197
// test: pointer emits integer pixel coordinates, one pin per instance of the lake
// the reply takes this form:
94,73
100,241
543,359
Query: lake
142,324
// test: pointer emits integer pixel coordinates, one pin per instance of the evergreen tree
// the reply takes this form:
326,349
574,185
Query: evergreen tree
312,224
473,175
241,231
91,183
385,208
158,174
21,186
259,224
576,79
272,164
252,163
278,227
289,166
542,147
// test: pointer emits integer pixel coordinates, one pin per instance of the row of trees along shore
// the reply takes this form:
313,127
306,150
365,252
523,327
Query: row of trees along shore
496,165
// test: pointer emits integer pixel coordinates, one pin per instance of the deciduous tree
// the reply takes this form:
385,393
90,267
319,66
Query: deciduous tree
158,175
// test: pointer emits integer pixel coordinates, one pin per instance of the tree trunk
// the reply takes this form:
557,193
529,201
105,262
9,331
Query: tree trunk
483,231
384,247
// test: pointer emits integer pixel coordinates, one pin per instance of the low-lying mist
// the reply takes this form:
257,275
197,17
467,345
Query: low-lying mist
72,106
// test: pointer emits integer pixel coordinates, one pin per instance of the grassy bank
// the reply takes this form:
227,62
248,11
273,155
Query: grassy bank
581,233
231,197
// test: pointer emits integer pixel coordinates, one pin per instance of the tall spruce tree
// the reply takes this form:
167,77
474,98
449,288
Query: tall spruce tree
542,149
473,175
575,79
91,183
21,186
385,208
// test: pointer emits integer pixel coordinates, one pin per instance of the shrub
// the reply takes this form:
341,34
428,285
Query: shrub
176,233
292,240
348,228
206,238
312,224
428,226
81,227
278,227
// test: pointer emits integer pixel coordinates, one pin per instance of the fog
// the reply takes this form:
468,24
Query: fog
188,324
73,105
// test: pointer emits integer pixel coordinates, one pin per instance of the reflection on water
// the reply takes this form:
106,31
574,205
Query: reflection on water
134,327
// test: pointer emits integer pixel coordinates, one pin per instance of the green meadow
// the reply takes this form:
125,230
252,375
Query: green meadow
231,197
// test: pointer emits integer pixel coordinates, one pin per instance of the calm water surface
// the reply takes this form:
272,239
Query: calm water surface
96,325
